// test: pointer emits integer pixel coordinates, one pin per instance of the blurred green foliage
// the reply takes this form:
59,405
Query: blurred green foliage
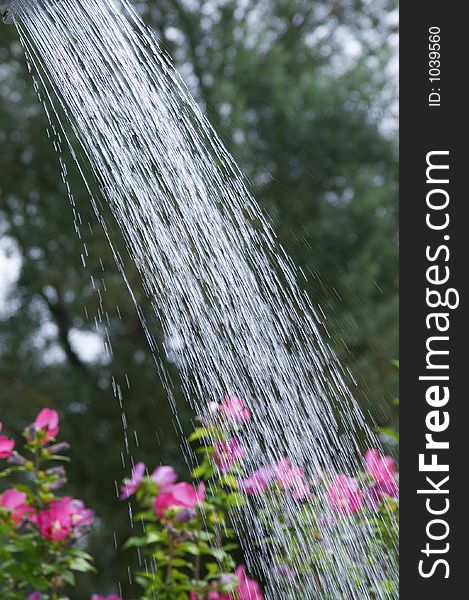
302,94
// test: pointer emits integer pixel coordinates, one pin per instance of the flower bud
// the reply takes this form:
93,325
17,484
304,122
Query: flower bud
16,459
59,471
55,485
30,432
59,448
227,579
185,515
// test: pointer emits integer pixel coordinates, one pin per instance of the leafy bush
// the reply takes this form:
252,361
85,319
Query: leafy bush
186,545
39,531
188,542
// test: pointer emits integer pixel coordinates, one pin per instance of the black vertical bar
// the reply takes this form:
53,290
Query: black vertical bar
434,119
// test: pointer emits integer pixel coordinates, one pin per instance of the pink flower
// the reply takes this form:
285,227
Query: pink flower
248,589
15,502
6,445
227,453
131,485
233,409
164,477
213,595
55,522
35,596
63,517
99,597
378,491
179,495
257,482
80,515
344,495
381,468
47,421
290,477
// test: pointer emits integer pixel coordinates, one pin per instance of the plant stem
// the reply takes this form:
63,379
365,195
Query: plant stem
170,560
37,464
197,564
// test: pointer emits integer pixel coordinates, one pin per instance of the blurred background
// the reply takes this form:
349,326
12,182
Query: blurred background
303,93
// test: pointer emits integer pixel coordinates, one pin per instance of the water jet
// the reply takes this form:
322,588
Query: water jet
226,295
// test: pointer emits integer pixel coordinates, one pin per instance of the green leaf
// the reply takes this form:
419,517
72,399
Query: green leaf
190,547
151,538
388,432
180,562
69,577
235,499
200,471
217,553
81,565
59,458
201,433
229,480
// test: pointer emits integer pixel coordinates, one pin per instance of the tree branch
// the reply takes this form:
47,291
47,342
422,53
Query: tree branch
61,319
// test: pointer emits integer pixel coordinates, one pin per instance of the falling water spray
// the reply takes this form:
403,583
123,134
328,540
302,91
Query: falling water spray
233,316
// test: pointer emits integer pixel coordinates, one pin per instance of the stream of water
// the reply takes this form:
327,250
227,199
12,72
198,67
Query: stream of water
234,318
